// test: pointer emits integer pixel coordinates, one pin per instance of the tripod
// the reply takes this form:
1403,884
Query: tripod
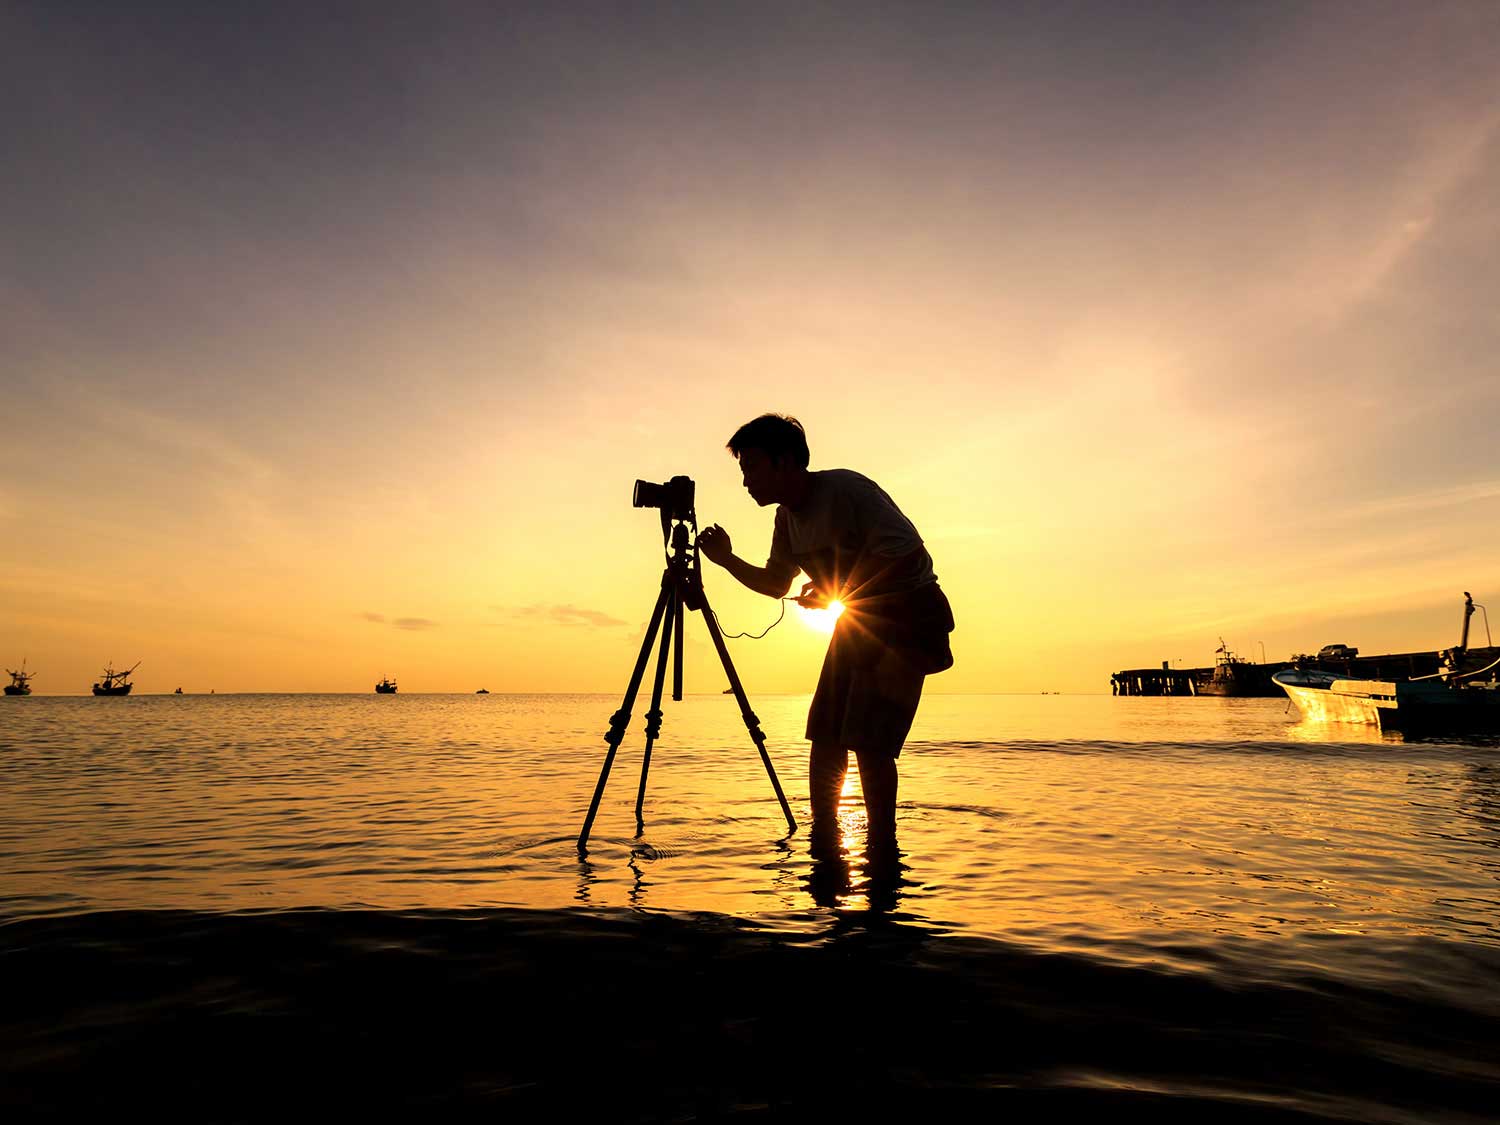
681,591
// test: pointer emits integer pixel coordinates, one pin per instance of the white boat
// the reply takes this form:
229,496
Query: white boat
1425,704
1451,700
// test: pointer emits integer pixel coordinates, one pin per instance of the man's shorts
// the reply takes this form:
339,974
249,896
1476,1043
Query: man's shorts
867,693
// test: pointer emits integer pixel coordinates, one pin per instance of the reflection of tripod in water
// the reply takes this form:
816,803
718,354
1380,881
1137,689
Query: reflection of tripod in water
681,590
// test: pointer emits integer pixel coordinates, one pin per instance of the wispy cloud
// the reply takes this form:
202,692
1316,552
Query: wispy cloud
411,624
1429,499
563,615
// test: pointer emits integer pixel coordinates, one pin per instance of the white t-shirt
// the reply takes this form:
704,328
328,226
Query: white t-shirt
845,518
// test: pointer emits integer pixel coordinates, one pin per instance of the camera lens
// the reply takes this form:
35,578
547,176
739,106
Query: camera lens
647,495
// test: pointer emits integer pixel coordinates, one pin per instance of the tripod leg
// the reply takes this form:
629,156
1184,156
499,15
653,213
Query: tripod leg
751,722
653,716
620,718
677,654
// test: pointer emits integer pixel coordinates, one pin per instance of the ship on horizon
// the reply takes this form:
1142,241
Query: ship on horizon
20,682
115,683
386,686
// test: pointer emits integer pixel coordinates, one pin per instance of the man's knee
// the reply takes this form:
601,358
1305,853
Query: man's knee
873,763
829,757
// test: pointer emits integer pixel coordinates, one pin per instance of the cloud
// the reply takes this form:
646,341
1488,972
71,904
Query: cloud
412,624
1431,499
565,615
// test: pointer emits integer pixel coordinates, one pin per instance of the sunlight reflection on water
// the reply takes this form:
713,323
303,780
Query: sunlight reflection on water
1058,820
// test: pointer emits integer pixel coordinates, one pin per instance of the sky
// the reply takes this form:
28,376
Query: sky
334,336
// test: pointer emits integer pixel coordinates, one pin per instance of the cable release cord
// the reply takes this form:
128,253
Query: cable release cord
736,636
752,636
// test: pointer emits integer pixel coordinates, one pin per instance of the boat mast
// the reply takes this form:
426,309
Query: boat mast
1463,640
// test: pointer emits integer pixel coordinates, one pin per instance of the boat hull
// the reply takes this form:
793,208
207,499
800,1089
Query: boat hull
1409,706
11,689
123,689
1475,711
1320,704
379,690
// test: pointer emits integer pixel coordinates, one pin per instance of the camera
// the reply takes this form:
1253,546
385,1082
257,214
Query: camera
674,498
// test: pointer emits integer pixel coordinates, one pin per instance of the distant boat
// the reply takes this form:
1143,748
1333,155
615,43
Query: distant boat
482,691
1448,701
177,692
386,686
116,683
20,682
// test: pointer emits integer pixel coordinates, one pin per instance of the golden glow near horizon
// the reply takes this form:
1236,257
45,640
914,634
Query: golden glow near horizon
1150,351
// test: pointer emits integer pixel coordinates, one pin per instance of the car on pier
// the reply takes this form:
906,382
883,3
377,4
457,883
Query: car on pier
1337,652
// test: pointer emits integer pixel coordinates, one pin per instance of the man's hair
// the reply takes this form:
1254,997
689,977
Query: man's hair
778,435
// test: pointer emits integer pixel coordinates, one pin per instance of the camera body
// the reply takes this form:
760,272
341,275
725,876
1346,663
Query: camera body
674,498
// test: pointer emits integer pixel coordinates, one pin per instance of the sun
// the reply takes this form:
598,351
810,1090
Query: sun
821,619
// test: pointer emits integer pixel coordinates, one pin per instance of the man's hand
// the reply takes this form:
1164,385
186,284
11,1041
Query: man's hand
811,597
714,544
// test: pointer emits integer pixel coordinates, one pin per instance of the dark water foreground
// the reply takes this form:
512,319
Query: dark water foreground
648,1016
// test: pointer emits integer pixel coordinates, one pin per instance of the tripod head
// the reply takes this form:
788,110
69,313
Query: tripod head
683,565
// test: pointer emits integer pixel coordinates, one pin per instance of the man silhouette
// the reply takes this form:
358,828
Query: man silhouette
856,547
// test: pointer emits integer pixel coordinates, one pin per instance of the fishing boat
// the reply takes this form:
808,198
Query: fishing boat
1451,700
1235,676
386,686
115,683
20,682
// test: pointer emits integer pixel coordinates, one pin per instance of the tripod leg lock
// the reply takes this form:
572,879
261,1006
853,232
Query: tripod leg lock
653,724
752,724
617,724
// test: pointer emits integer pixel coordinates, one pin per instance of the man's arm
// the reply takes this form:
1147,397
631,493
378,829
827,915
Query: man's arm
714,544
757,578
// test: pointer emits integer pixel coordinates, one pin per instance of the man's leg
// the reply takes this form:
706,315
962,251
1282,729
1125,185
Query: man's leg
877,777
825,783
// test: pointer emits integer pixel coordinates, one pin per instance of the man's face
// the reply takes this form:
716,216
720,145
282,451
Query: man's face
762,476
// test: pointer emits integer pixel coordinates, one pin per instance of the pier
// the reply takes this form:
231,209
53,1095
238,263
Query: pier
1165,680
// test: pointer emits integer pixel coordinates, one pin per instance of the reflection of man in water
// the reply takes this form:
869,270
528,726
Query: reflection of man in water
857,548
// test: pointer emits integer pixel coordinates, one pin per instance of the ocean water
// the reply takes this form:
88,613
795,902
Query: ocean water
1188,907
